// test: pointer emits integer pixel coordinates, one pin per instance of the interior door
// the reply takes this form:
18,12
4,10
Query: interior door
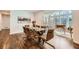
6,21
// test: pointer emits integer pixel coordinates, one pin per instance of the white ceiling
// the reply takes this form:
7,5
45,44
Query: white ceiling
5,12
41,10
33,11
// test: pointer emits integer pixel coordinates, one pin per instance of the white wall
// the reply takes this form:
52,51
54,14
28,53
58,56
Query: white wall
39,18
76,26
16,27
6,21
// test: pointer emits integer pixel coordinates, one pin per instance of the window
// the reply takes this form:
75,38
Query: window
58,17
63,17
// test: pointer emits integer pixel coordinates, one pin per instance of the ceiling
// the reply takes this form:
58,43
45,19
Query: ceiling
5,12
33,11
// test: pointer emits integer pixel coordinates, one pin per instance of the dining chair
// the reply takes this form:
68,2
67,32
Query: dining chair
26,31
45,38
61,27
38,26
50,34
34,23
26,26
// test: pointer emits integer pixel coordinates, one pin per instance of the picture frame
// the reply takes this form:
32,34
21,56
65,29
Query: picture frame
23,19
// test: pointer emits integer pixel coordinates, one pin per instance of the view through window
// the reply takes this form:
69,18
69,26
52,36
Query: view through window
58,18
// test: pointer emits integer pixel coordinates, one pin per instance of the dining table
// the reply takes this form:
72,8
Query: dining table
38,39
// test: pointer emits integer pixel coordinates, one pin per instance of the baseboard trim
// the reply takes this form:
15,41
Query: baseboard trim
63,36
16,33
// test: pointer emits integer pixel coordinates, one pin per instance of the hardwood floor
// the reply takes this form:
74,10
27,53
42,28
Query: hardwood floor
4,35
16,41
22,42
